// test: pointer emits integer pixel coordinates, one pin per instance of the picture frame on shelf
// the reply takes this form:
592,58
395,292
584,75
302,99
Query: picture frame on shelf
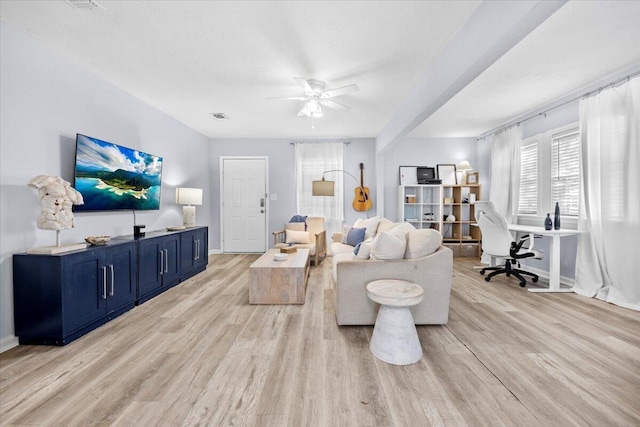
408,175
472,178
447,174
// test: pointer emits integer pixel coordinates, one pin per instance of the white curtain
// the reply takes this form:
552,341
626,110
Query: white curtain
311,160
607,264
505,172
505,176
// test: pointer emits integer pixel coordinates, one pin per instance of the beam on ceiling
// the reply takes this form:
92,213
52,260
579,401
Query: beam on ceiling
492,30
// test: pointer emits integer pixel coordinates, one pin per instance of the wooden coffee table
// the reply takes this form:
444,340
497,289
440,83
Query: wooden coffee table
279,282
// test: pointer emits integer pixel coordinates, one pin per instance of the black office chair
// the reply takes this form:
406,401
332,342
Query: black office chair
498,242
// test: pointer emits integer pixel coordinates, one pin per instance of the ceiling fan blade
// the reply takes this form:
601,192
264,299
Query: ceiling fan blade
304,84
294,98
335,105
340,91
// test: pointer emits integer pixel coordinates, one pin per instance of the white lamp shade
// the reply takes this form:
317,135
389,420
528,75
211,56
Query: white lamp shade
322,188
188,196
464,165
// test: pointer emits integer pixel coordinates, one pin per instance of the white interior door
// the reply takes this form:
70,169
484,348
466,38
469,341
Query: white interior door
244,204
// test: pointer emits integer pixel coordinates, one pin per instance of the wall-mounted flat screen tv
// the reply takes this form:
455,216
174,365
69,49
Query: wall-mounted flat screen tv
112,177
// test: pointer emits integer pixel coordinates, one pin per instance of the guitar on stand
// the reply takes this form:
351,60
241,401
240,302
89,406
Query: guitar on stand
361,201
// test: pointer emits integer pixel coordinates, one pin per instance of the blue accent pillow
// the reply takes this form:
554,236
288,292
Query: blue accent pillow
355,236
357,248
299,218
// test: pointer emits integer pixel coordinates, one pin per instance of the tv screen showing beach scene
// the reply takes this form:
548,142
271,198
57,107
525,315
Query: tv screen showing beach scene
112,177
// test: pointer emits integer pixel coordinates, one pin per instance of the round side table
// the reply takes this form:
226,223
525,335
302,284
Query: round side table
395,339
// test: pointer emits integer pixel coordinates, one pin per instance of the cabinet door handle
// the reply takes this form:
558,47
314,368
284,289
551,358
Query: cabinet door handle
112,280
195,249
104,282
161,262
166,264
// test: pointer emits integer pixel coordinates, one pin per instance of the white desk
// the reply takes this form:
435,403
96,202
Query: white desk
554,258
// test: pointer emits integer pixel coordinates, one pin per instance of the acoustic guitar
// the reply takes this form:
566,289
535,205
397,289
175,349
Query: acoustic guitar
361,201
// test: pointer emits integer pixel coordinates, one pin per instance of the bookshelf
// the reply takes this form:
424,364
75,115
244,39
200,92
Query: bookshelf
421,205
461,235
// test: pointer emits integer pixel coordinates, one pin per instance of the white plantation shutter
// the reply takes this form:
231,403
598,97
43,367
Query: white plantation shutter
528,203
311,160
565,171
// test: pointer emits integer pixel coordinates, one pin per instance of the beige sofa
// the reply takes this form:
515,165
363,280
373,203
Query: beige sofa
351,276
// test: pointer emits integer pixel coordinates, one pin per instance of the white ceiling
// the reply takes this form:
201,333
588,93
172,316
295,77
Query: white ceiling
193,58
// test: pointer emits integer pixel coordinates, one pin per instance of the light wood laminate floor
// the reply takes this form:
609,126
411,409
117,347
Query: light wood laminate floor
201,355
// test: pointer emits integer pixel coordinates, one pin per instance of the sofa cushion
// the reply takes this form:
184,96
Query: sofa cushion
355,236
388,246
371,224
401,230
296,226
421,243
293,236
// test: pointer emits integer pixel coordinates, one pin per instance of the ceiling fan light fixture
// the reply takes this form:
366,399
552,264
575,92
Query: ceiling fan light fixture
317,114
313,105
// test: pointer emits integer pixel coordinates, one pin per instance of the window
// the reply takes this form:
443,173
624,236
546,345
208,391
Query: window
528,203
550,173
311,160
565,171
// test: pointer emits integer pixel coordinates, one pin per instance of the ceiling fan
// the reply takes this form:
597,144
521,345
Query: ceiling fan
317,97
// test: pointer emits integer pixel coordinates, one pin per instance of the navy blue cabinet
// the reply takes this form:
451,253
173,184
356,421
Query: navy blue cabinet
194,245
159,264
58,298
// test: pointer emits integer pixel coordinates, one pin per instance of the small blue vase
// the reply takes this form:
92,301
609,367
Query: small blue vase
556,218
548,224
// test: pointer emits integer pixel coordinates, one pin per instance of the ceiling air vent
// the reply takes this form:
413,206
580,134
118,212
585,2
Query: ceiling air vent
220,116
85,4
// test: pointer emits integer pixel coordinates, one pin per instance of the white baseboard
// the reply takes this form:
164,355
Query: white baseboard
215,251
544,274
8,343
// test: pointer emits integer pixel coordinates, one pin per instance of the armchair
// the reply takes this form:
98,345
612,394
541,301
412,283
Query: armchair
317,238
498,242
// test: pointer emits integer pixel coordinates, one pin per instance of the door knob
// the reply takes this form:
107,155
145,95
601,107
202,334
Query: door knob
261,210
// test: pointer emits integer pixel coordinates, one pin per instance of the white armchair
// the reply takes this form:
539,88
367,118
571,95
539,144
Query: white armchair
317,237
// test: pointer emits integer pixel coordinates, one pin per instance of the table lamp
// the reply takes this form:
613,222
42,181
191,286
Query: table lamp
465,167
190,197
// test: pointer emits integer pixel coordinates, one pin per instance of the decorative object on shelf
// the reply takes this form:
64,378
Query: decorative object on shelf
472,178
56,199
464,167
408,175
447,174
548,224
472,197
451,218
191,197
448,200
174,228
138,230
556,217
361,202
411,198
97,240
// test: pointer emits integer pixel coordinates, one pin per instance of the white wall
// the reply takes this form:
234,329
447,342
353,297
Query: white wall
282,173
421,152
44,101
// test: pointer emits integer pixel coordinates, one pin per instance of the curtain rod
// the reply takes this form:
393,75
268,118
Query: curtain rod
544,113
318,142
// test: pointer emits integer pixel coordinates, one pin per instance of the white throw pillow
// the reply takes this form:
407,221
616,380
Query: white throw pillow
385,225
370,224
421,243
401,230
345,233
365,249
296,226
294,236
388,246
